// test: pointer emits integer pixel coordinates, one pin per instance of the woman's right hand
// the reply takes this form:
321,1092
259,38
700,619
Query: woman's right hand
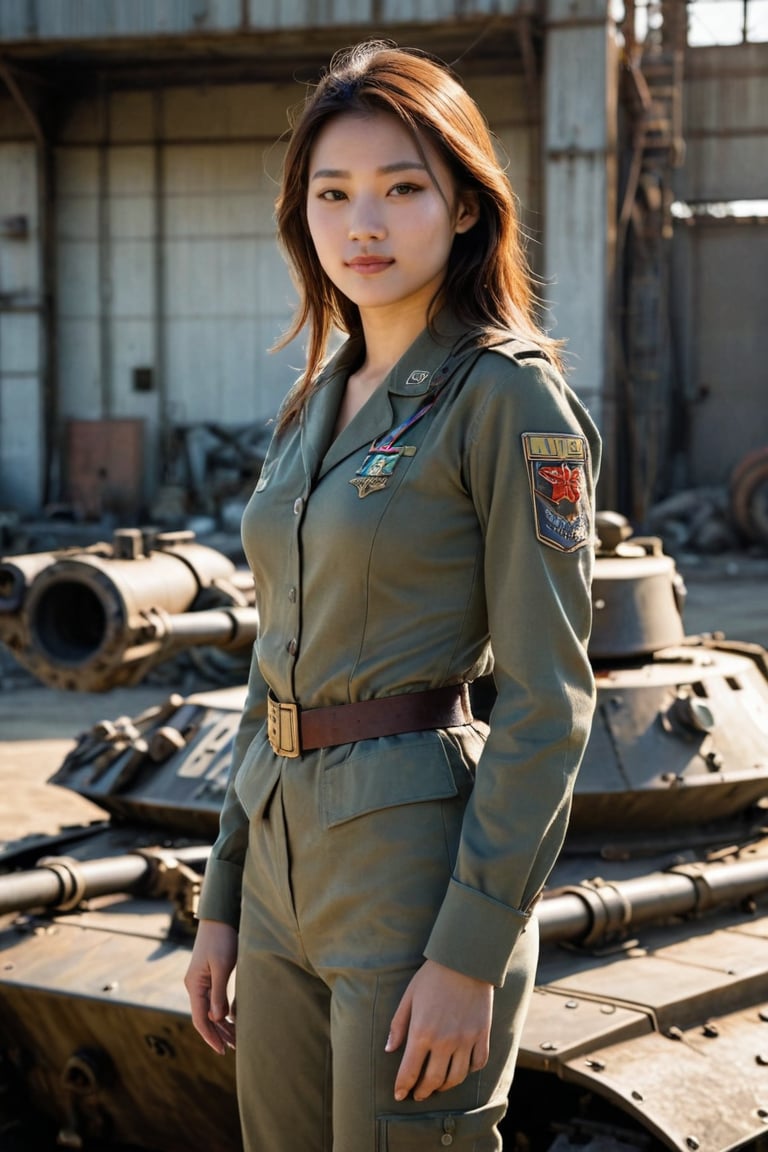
206,981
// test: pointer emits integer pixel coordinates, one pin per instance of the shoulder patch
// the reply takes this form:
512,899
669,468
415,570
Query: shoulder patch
557,475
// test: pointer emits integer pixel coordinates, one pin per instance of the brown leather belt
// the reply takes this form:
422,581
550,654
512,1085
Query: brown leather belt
292,731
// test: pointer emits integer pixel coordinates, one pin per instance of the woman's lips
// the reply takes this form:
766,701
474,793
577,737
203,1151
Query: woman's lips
367,265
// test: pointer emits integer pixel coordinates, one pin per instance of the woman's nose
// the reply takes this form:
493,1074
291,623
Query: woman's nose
366,222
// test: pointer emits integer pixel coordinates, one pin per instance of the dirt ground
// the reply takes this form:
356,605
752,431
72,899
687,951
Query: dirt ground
39,725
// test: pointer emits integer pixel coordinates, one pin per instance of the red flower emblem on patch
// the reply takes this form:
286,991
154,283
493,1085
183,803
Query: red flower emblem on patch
565,481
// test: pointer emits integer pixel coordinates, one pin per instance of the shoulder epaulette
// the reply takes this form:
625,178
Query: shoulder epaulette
518,348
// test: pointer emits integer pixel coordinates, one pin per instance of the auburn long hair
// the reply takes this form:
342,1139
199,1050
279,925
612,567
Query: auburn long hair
488,283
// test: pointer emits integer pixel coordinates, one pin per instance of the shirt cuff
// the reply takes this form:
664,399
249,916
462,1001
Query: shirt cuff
220,896
475,934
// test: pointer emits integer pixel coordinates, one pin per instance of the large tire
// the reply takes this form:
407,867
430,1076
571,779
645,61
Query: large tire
749,496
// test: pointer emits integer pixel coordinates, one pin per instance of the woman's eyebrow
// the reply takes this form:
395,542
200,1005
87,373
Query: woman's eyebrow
385,170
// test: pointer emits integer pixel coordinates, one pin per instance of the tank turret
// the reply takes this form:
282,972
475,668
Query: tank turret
649,1026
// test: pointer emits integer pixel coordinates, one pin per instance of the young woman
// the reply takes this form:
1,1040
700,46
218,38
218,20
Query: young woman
424,517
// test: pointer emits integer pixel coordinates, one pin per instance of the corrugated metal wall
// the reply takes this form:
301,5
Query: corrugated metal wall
93,19
721,289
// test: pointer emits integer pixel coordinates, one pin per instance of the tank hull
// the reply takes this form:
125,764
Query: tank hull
649,1025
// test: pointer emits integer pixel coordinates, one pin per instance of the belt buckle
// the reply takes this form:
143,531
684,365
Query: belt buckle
283,727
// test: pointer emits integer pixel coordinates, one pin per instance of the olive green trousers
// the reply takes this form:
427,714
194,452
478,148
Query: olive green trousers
335,915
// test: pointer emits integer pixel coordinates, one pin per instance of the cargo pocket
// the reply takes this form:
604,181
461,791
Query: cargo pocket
458,1131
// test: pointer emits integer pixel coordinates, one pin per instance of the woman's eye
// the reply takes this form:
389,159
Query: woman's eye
403,189
332,194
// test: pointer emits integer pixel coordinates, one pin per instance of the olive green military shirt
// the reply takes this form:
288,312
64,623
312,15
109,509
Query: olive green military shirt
474,554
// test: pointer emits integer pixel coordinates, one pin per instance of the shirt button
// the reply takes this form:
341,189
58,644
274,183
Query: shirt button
298,504
292,647
292,595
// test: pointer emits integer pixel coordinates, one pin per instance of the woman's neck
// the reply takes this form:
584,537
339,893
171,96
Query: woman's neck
387,334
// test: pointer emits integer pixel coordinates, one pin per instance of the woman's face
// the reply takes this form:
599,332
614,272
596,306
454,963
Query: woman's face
382,221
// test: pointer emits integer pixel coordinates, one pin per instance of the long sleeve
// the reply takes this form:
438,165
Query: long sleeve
220,897
539,615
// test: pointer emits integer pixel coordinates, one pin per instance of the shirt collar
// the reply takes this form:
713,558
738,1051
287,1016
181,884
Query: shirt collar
412,374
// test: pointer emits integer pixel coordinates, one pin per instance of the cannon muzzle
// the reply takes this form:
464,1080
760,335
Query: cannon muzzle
91,619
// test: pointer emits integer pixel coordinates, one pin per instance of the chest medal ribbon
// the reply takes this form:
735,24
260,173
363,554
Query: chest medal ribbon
383,455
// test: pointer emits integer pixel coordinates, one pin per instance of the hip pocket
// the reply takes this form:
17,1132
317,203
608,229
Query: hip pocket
387,773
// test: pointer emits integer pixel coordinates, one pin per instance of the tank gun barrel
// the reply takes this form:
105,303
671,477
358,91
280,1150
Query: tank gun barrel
93,618
62,883
594,910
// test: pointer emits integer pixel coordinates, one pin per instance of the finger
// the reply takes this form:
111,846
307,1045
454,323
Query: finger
421,1070
433,1075
480,1055
207,1028
206,1018
218,1000
226,1032
457,1071
398,1029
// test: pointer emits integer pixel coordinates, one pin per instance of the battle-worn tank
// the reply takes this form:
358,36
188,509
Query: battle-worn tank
649,1026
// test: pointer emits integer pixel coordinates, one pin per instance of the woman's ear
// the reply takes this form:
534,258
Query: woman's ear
467,211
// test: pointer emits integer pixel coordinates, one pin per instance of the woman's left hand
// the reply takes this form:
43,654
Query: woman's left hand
444,1018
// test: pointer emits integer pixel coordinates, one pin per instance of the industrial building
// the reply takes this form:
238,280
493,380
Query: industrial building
141,287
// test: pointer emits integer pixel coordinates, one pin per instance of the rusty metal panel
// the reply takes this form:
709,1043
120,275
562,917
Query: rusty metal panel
704,1090
105,467
125,991
671,1029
